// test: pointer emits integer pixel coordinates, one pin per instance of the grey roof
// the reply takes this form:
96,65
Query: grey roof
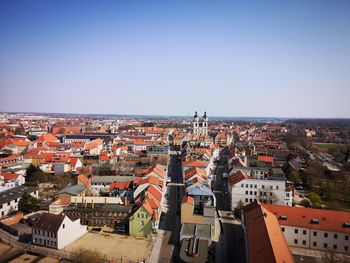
199,190
187,246
111,178
73,189
14,193
189,230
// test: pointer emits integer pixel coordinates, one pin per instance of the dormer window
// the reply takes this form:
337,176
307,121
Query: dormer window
346,224
283,217
315,221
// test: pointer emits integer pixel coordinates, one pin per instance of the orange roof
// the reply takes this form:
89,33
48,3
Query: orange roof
47,137
21,143
120,185
329,220
150,180
188,200
237,177
155,192
265,159
193,171
159,170
153,203
148,207
9,176
195,163
93,144
265,239
83,179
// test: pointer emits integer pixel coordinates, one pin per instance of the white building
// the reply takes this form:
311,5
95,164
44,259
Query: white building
200,127
246,189
56,231
9,199
310,228
10,180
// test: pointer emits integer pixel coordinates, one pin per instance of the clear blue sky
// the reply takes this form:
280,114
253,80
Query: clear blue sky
257,58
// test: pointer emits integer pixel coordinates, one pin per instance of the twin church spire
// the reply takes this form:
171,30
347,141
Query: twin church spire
200,126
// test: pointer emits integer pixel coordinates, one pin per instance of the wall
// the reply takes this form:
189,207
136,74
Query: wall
70,232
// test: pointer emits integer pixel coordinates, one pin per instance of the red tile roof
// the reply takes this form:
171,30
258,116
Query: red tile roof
193,171
195,163
329,220
9,176
120,185
155,192
188,200
237,177
47,137
265,240
265,159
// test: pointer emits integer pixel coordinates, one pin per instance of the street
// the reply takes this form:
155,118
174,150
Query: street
230,247
167,249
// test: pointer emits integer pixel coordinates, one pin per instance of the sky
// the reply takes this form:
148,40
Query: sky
229,58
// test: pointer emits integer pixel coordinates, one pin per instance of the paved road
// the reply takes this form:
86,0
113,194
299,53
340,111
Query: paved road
19,246
230,247
166,246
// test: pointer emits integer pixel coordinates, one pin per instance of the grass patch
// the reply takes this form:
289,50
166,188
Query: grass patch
325,146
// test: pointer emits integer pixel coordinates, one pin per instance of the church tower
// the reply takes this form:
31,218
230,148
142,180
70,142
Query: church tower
195,124
200,127
205,124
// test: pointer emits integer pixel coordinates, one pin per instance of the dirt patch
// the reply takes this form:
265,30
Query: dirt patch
27,258
115,247
4,248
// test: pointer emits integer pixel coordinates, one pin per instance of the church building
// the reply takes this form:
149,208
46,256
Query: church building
200,126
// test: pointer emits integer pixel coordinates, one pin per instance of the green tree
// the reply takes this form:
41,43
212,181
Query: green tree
28,204
315,199
294,177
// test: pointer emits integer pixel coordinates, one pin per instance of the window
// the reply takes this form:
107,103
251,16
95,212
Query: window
277,187
138,215
304,232
325,245
246,200
335,236
251,192
287,194
314,244
295,241
346,237
315,234
63,226
271,194
271,187
254,192
304,242
296,231
246,192
283,229
263,186
242,185
335,246
251,186
325,234
246,185
255,186
346,248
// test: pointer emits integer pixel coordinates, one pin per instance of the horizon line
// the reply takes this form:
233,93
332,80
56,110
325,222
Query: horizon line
159,116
